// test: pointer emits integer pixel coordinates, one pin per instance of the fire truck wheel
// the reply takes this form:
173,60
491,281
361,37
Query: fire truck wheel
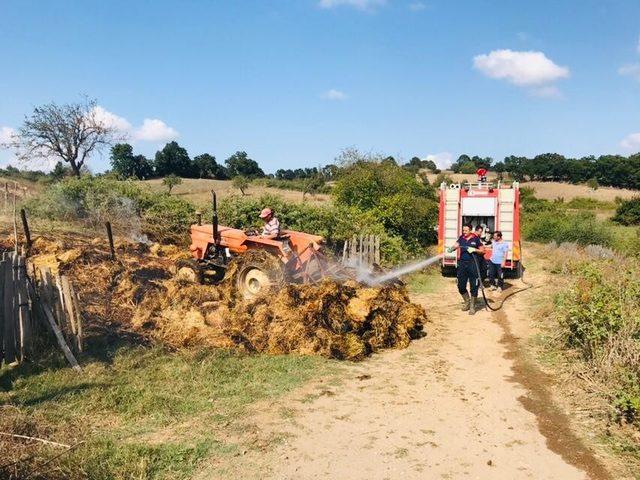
257,273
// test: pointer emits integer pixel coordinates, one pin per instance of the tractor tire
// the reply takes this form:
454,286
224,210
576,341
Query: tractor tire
257,272
190,271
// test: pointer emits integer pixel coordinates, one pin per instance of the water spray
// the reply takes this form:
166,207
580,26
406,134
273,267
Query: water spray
365,276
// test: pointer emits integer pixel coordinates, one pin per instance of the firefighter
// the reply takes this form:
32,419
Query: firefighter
469,245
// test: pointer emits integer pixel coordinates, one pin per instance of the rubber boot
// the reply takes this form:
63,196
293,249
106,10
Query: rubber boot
472,306
465,302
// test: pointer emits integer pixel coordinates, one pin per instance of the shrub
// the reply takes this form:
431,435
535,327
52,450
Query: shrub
363,184
628,212
131,209
298,184
585,203
335,223
405,207
583,228
599,316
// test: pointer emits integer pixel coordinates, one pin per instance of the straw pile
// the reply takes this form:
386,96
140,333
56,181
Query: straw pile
139,294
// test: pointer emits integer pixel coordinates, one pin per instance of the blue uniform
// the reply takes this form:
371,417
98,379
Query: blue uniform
467,271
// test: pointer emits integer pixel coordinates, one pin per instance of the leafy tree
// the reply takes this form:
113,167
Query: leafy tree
592,183
468,167
416,164
205,166
241,183
72,133
173,159
239,164
171,181
127,165
364,183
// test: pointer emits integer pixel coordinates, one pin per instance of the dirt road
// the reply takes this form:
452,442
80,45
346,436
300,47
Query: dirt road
461,403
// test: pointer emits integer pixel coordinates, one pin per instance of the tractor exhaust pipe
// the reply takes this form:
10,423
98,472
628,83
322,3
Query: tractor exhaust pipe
215,218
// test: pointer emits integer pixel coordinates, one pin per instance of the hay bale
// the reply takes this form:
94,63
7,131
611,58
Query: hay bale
138,292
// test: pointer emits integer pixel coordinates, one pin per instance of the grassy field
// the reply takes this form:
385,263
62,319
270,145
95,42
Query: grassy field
199,191
140,412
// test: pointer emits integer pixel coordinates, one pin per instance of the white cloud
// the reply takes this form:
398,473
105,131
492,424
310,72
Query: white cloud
359,4
417,6
334,94
109,119
525,69
5,135
443,160
631,142
154,130
151,130
631,70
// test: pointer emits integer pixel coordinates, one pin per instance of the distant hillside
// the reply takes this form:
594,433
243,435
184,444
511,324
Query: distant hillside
199,191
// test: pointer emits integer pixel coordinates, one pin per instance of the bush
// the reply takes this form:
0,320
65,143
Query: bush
335,223
599,316
585,203
628,212
299,184
131,209
405,207
363,184
582,228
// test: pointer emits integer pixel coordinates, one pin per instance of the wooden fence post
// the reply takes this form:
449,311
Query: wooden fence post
9,315
25,226
110,236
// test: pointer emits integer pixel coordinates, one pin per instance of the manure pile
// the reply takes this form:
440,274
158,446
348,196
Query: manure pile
138,294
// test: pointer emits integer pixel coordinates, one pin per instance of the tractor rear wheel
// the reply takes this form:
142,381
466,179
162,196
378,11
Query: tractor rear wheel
189,270
257,273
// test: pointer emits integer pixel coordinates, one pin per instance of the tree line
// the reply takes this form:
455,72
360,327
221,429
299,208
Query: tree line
174,160
609,170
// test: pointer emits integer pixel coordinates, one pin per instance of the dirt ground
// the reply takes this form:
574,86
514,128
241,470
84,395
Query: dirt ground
467,401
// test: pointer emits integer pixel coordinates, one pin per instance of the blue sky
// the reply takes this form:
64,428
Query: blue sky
292,82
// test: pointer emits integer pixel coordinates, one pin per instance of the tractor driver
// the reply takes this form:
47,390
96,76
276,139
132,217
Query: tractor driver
271,227
469,245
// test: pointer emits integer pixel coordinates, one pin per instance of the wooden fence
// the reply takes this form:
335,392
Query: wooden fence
16,322
362,250
30,302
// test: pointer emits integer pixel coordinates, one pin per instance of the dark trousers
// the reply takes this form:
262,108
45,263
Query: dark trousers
482,263
495,272
467,272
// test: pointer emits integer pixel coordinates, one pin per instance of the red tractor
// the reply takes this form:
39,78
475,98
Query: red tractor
256,263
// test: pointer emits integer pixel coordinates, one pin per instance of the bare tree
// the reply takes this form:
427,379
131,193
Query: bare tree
70,132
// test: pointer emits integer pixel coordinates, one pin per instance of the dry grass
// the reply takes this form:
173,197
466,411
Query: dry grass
199,191
568,191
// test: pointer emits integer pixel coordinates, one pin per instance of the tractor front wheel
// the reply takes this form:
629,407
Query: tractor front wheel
257,273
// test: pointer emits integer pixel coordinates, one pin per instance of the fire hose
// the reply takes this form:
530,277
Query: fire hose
528,285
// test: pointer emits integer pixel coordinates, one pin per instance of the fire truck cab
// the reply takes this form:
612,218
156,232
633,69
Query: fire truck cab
492,206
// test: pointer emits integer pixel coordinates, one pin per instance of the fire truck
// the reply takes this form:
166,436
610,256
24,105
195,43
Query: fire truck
493,206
